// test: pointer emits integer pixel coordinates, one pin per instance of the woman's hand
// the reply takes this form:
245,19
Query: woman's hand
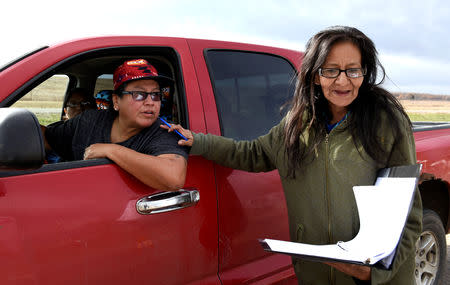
184,132
98,150
358,271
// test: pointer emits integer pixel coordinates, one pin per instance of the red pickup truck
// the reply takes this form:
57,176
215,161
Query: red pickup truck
89,222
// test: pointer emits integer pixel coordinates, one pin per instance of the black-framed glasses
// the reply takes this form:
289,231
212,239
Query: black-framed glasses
142,95
83,104
335,72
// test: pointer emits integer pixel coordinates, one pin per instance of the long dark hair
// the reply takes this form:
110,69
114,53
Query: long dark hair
309,108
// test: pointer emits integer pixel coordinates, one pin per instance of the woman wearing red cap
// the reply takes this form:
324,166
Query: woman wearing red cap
129,133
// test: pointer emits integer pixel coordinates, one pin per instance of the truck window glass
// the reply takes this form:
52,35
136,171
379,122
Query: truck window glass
104,82
46,99
103,91
250,89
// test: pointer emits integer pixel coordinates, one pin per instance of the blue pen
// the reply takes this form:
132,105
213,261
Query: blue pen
167,124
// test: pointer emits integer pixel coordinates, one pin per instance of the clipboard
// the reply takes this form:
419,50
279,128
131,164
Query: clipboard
380,227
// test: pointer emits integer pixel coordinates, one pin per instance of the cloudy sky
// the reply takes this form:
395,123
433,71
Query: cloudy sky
412,36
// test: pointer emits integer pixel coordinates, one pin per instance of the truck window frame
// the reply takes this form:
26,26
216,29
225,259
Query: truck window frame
123,52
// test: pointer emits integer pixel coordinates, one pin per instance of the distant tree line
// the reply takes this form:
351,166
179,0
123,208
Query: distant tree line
421,96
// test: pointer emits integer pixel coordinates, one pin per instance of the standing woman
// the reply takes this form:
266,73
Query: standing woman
341,128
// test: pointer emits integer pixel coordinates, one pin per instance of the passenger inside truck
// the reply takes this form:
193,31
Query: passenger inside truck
128,132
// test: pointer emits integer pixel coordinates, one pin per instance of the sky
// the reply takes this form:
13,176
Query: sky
412,37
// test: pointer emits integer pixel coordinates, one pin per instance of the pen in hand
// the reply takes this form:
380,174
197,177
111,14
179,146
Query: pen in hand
167,124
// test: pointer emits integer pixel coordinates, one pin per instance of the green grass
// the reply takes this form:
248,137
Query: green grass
44,117
47,118
429,117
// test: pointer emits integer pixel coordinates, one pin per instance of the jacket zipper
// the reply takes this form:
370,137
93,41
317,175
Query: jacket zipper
330,236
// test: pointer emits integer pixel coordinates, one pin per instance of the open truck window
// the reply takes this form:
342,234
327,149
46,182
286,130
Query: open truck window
93,71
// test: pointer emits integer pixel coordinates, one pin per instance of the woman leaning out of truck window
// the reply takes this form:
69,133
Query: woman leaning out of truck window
340,129
129,133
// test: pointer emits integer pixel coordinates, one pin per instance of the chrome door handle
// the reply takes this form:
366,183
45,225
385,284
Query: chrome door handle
167,201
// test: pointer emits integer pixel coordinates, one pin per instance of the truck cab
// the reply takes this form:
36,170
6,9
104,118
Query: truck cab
77,222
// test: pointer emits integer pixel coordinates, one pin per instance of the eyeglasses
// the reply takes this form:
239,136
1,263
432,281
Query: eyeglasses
335,72
141,95
83,104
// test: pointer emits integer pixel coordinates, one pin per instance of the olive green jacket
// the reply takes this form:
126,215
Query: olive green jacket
320,201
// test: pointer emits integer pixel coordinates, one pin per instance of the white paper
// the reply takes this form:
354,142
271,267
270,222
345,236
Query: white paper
383,209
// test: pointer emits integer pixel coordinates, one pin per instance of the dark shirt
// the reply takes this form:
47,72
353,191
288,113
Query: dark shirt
71,138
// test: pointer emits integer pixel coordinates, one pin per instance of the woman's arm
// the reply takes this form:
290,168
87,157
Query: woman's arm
164,172
259,155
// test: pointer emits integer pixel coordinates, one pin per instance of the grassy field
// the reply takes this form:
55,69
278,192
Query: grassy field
38,104
427,110
47,118
441,113
429,117
49,97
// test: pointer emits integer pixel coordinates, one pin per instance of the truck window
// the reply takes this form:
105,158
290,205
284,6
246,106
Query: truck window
45,94
104,82
46,99
103,91
250,89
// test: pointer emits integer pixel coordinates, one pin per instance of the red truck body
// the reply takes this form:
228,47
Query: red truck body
432,152
77,223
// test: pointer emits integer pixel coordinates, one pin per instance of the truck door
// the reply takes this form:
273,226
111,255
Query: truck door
77,222
242,91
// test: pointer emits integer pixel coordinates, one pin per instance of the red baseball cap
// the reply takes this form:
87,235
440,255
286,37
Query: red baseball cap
138,69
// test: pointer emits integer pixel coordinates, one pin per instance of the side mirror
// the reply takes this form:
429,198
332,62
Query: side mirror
21,140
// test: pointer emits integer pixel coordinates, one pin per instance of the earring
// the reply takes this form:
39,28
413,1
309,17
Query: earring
116,108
